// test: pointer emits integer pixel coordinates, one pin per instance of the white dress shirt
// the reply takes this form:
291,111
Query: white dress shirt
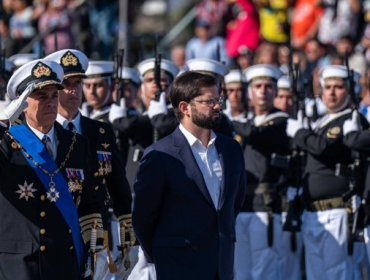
52,137
208,162
76,122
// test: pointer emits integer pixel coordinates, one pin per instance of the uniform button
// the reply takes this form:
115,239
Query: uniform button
42,248
42,231
71,248
42,214
69,231
42,197
96,188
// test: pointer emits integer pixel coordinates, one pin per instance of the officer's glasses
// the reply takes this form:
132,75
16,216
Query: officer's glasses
211,102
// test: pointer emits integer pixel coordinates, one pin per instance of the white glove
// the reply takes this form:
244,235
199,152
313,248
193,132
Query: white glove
310,103
320,107
157,107
355,203
351,124
16,107
116,111
294,125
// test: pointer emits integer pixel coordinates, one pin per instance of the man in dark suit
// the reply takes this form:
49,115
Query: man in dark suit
107,165
45,222
189,189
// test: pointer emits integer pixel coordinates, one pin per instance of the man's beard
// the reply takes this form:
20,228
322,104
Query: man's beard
205,121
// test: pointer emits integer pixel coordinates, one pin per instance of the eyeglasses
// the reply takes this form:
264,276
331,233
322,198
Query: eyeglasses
211,102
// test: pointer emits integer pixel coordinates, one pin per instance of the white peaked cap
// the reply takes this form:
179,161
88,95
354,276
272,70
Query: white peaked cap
74,62
234,76
284,82
166,65
41,72
262,70
99,69
207,65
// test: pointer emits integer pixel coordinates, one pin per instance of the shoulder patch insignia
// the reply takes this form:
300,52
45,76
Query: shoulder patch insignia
333,132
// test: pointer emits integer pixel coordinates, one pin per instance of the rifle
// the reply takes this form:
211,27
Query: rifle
2,71
355,225
117,74
157,72
293,219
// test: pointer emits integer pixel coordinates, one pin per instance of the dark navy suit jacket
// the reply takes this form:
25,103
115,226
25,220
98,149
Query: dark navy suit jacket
175,220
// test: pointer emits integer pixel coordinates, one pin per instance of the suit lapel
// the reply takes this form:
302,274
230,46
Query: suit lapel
191,167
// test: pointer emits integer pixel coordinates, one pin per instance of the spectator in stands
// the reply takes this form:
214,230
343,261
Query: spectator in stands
178,56
340,18
212,12
267,53
20,25
356,60
204,45
242,31
273,15
57,18
305,22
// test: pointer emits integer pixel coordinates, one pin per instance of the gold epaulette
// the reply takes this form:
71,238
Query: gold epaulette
88,222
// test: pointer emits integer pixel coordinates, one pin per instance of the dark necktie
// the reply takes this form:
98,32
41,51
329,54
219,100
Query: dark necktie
70,126
46,141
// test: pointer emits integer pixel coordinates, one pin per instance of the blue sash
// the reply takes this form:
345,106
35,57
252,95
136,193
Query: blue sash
33,146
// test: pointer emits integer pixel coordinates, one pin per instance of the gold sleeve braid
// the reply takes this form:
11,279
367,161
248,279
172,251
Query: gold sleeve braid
87,223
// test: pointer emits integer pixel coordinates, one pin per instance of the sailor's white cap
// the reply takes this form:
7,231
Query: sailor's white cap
166,65
73,62
22,58
99,69
234,76
339,72
41,72
207,65
284,82
262,71
334,71
130,74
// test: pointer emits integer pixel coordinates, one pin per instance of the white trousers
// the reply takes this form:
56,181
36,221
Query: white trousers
143,270
255,260
325,236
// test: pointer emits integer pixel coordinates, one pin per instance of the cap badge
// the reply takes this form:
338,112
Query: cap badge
40,70
69,59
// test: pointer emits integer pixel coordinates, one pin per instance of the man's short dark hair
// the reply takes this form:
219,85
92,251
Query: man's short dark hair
189,85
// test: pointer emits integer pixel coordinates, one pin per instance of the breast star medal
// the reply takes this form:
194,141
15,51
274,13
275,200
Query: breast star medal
26,191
